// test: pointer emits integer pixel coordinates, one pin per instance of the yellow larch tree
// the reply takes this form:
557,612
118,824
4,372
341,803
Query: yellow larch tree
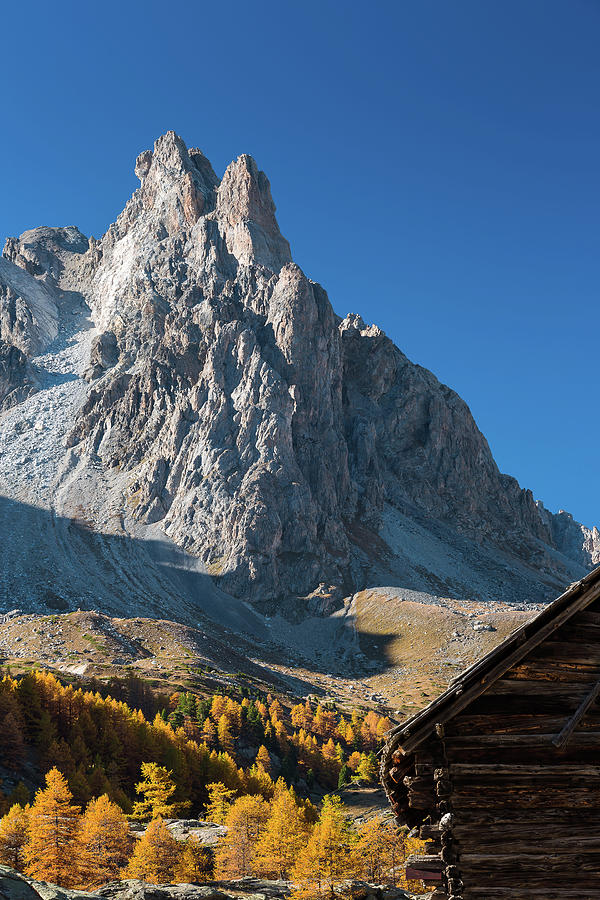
220,800
354,761
155,856
103,843
263,759
308,715
340,729
218,707
209,733
319,720
257,781
275,710
157,788
14,832
285,835
297,716
195,863
367,770
379,851
328,857
380,854
224,733
233,711
245,822
53,822
281,736
331,763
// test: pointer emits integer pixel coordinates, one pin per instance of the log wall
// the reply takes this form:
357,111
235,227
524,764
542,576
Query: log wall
509,789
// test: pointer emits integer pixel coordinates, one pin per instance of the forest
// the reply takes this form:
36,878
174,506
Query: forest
264,769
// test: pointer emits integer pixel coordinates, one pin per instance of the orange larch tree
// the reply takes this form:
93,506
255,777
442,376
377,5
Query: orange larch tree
285,835
157,788
220,800
224,733
103,843
245,823
328,857
14,833
53,823
195,863
155,856
263,759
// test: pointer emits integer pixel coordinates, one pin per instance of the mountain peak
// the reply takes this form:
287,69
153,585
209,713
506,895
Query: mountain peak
216,401
177,185
246,214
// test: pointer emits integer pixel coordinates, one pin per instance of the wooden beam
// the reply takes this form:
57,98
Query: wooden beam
561,740
472,770
421,875
535,892
584,738
425,863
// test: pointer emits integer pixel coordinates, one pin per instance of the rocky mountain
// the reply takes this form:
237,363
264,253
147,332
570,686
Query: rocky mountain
189,426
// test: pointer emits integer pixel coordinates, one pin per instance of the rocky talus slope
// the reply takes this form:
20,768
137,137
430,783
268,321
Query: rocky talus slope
186,419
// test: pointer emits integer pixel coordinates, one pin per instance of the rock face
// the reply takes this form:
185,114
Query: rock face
16,380
299,456
28,312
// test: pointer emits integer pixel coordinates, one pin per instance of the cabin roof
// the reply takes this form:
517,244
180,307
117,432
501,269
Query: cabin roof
475,680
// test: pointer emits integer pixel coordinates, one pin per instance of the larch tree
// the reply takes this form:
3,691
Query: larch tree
367,770
263,759
14,833
103,843
259,782
155,856
330,763
297,716
245,823
218,706
53,823
220,800
209,732
285,835
379,851
157,788
195,863
328,857
354,761
224,733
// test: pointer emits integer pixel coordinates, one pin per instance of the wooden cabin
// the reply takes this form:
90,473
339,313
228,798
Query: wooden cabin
501,773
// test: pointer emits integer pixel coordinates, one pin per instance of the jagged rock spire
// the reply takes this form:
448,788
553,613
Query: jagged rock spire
246,214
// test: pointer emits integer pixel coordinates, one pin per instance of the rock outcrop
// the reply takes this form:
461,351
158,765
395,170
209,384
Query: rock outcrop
284,447
28,311
16,379
14,886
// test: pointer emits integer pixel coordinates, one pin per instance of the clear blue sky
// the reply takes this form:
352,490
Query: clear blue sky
435,163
